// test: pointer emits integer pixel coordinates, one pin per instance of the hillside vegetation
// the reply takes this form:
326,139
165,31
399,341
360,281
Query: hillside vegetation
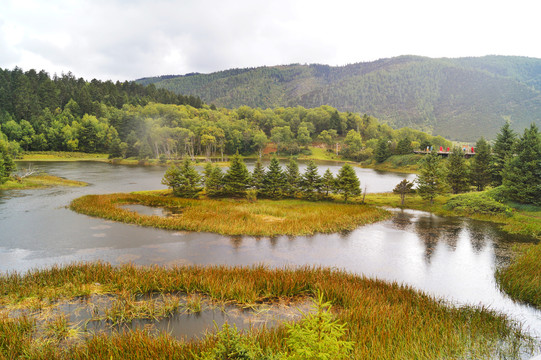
456,98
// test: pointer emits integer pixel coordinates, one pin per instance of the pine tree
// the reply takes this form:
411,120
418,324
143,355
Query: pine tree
292,178
184,181
207,171
258,176
403,188
431,178
214,183
347,182
328,182
274,181
522,173
382,152
237,177
503,150
404,147
457,172
481,165
311,181
7,165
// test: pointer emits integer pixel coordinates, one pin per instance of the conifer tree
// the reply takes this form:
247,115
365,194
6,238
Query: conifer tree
503,150
214,182
183,180
404,147
522,173
237,177
431,178
457,172
7,165
207,171
274,181
382,151
481,165
403,188
347,182
311,181
328,182
258,175
292,178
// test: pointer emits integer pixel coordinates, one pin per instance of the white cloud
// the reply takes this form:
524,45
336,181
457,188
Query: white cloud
129,39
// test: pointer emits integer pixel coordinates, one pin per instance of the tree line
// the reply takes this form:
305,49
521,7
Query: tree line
273,182
513,165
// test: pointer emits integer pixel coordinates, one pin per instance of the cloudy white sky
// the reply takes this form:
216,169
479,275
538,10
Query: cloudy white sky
129,39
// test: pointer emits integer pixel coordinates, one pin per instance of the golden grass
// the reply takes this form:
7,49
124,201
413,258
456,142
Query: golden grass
40,181
60,156
233,217
385,321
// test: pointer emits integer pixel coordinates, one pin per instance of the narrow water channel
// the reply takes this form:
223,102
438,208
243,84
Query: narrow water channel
451,258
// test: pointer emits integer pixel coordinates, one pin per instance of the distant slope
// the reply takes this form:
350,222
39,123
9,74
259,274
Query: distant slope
461,98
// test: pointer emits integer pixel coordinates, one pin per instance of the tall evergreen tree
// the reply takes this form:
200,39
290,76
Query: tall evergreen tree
311,181
347,182
258,176
214,183
431,178
404,147
7,165
292,178
183,180
481,165
503,150
457,172
328,182
207,171
522,173
274,181
237,177
382,152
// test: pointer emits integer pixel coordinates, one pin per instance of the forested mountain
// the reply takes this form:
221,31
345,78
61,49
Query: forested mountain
461,99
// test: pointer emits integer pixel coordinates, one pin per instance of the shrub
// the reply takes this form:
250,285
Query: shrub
477,203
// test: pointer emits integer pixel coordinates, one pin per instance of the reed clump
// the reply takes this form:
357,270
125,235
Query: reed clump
233,216
382,320
522,278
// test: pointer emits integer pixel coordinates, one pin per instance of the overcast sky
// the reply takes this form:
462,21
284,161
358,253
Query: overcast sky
129,39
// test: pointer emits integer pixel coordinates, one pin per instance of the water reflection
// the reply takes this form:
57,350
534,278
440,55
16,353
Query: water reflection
452,258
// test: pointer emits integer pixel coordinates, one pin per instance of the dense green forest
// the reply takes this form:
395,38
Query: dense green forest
460,99
132,120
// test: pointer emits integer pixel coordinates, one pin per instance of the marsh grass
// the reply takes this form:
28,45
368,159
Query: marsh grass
40,181
384,321
522,278
233,216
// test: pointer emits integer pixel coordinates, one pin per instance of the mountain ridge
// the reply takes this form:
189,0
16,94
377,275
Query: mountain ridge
458,98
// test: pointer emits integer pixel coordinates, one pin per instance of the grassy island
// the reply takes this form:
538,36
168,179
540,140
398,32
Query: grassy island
232,216
380,320
39,181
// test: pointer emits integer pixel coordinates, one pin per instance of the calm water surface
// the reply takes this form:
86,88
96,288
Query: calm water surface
452,258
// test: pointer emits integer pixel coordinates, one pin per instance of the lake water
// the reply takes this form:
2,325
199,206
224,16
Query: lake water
451,258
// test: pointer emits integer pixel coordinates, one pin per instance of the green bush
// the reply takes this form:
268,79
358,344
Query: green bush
477,203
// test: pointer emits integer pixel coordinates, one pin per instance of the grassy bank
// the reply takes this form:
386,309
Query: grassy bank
384,321
522,278
516,220
60,156
233,217
39,181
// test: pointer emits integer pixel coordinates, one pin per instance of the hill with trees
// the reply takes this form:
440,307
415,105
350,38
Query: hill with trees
460,99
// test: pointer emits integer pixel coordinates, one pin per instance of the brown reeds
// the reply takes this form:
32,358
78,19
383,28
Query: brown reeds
385,321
